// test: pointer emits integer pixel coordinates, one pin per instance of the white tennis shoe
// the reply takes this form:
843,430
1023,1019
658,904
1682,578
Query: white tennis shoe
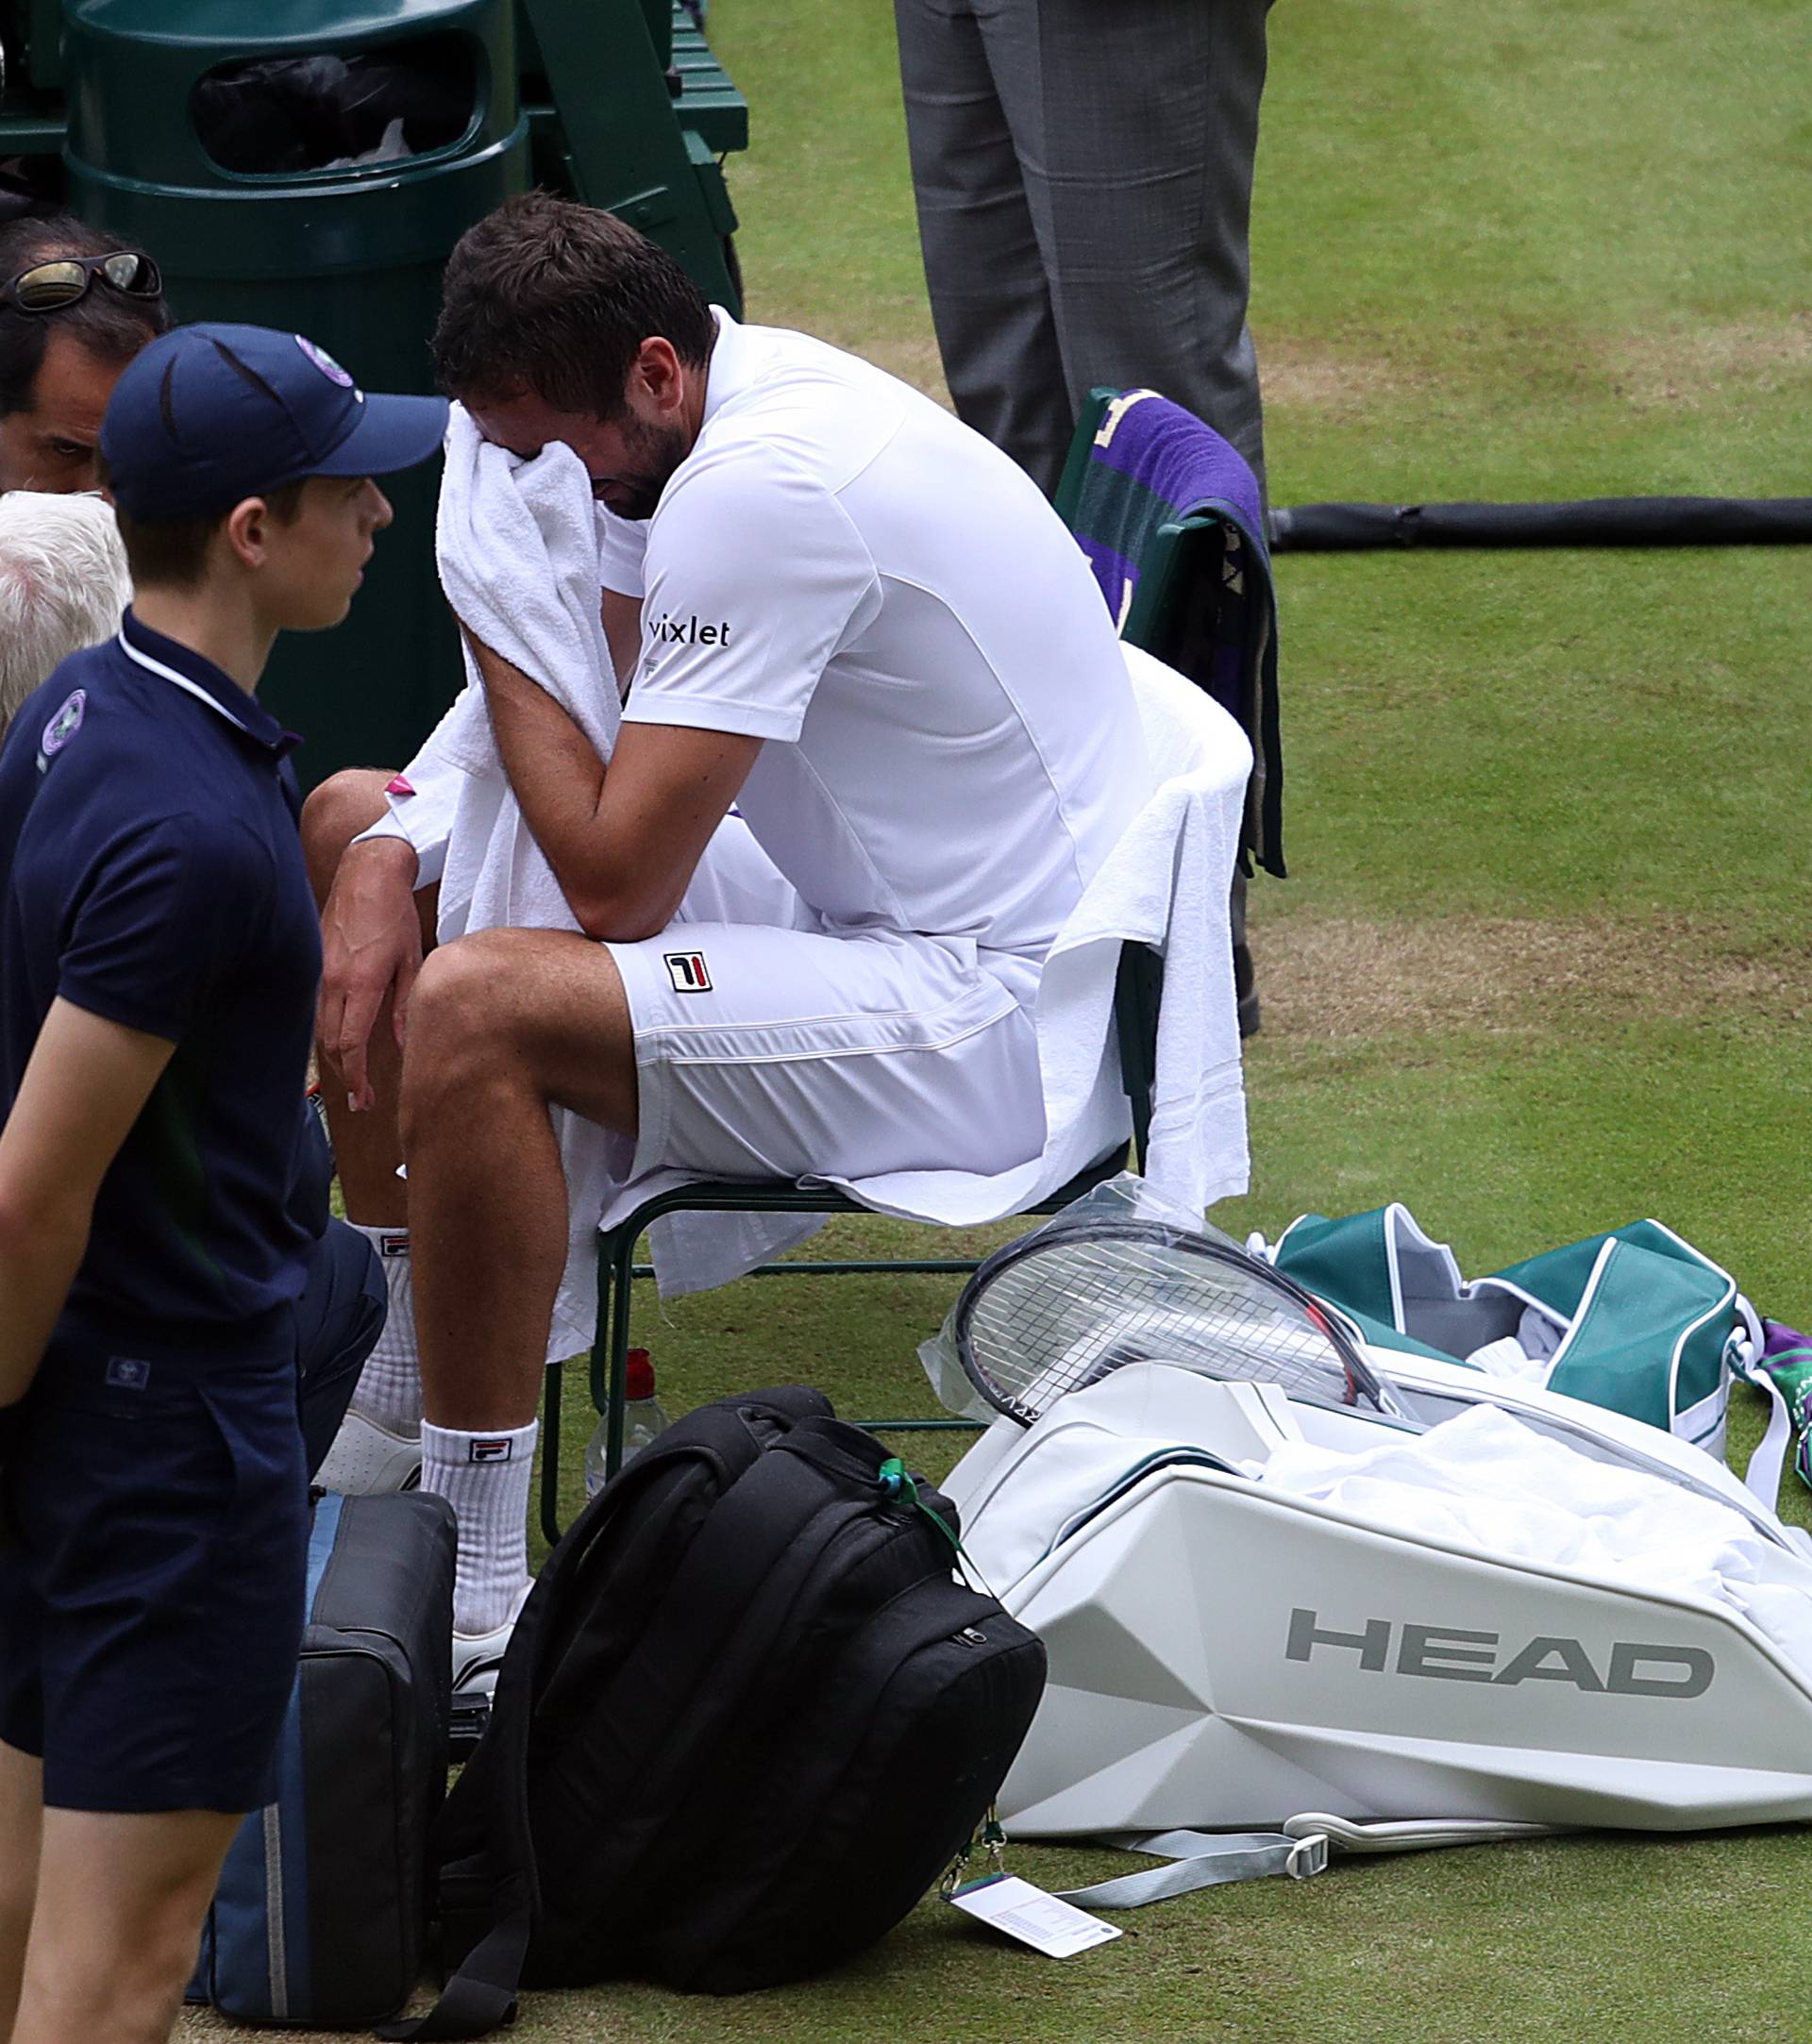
478,1656
366,1459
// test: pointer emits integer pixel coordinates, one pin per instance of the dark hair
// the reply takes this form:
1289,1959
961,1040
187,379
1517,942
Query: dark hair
558,297
111,327
172,553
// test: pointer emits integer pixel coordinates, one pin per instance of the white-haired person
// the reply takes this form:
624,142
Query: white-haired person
64,586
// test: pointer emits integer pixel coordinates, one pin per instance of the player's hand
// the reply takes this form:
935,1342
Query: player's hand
371,948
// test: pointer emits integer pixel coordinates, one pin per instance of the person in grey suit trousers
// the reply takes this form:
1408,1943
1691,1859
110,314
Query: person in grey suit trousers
1083,173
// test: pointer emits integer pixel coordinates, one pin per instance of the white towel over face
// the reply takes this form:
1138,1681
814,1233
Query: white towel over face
516,544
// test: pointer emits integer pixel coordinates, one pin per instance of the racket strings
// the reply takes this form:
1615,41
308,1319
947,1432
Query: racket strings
1075,1308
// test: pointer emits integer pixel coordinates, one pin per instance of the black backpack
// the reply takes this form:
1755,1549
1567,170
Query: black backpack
746,1717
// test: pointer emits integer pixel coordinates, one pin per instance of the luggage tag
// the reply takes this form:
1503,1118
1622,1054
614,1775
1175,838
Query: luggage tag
1005,1902
1058,1929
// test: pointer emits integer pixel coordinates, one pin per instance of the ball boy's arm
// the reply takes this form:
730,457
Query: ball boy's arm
84,1087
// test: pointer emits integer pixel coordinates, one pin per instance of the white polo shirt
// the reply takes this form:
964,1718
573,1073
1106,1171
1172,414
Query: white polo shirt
844,570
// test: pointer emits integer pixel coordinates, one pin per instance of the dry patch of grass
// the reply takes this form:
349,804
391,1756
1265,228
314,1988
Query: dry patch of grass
1306,375
1668,368
1708,364
1349,976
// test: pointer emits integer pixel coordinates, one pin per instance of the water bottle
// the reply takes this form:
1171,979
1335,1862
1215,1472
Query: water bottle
642,1418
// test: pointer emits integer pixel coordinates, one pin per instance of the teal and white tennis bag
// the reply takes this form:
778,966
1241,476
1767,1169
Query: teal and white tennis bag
1637,1320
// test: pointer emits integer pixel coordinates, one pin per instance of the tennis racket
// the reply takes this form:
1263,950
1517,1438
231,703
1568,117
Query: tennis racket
1063,1307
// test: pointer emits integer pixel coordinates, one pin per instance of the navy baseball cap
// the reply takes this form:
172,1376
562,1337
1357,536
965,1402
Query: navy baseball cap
211,414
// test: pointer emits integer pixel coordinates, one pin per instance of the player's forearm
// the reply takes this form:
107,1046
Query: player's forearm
623,844
556,776
422,801
40,1254
558,780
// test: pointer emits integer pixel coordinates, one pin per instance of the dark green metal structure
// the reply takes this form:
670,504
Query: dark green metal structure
619,103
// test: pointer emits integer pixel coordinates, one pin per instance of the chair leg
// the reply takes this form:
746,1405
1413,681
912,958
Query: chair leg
551,1455
610,1351
619,1363
609,1375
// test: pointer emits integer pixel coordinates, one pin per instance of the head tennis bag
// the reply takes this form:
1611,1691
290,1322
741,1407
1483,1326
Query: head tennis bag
1266,1607
321,1916
746,1717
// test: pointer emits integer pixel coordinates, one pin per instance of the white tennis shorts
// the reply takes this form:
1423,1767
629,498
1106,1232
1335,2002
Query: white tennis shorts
765,1048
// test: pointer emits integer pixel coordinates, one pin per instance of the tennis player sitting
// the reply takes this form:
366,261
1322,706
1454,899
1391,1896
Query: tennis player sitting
835,607
166,1264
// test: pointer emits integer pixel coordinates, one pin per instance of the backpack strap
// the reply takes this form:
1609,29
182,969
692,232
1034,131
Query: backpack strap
500,1887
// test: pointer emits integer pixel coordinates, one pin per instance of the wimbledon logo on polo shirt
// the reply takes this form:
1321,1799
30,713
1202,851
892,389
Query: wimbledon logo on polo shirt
63,727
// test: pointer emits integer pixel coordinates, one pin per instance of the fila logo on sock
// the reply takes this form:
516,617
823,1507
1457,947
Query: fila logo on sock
489,1450
688,971
393,1244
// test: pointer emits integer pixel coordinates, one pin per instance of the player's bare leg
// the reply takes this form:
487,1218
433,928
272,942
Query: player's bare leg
503,1025
378,1446
120,1903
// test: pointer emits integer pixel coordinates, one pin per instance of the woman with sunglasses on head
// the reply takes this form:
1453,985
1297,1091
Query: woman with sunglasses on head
75,307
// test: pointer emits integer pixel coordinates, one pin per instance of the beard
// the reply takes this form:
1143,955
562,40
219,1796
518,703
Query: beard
657,451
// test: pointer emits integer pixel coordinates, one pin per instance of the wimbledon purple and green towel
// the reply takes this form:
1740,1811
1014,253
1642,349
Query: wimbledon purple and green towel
1170,516
1787,1356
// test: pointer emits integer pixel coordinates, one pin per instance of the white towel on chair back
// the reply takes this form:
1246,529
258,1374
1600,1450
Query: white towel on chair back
1166,883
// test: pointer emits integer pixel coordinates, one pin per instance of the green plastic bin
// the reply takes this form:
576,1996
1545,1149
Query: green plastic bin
350,256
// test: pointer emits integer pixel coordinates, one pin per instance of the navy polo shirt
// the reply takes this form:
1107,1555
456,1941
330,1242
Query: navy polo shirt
151,873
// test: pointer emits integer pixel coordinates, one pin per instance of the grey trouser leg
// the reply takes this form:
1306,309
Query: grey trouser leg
1083,170
990,299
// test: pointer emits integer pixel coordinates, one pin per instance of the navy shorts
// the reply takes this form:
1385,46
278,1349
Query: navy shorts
149,1625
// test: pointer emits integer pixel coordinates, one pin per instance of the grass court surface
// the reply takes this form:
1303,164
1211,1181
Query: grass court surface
1544,963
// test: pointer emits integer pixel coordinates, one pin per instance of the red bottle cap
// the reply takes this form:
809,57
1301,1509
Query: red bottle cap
640,1380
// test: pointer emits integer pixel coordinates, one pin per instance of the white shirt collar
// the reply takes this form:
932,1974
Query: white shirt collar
733,361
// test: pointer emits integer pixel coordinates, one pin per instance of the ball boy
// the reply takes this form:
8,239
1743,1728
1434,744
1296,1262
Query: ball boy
165,1267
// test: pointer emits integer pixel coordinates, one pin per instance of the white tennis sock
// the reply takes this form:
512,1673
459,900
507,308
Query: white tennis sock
485,1478
389,1385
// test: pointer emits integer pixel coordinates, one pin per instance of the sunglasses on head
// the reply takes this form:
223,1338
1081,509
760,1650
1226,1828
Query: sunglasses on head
61,282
